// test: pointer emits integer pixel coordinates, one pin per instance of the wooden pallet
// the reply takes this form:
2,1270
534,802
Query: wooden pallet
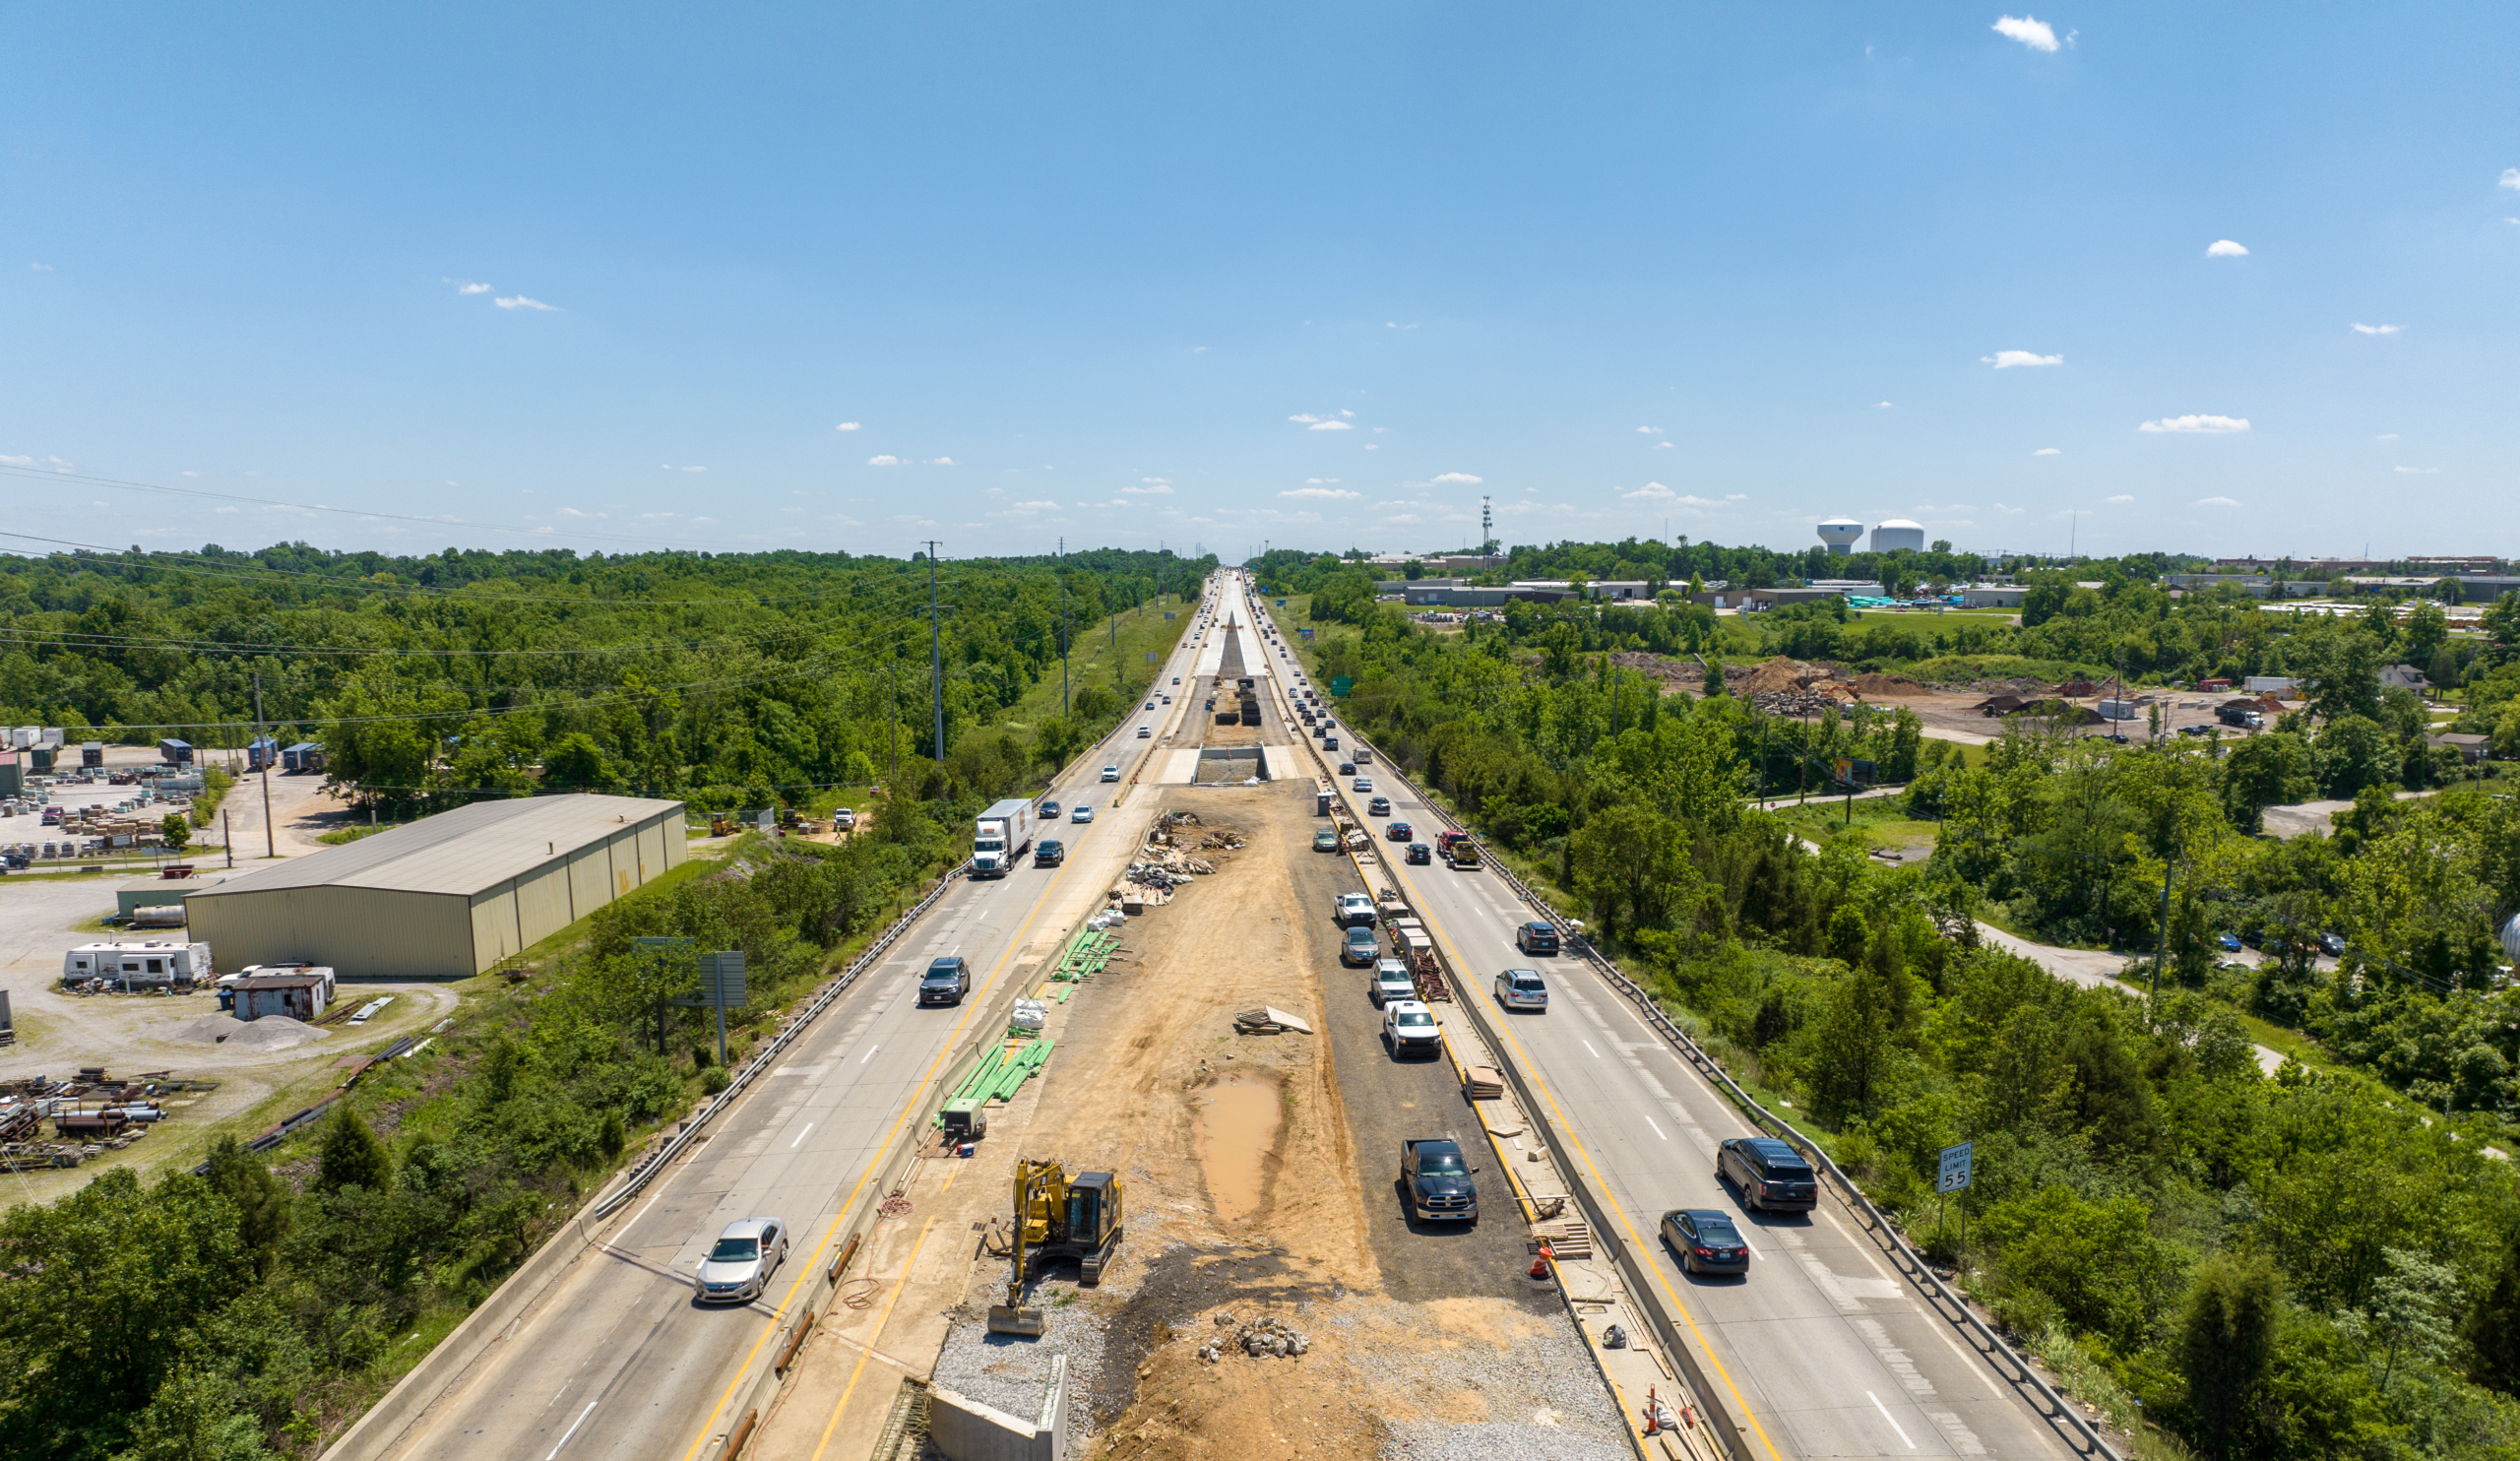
1482,1083
1570,1239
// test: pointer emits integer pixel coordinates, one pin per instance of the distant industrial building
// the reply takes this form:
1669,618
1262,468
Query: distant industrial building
448,896
1898,533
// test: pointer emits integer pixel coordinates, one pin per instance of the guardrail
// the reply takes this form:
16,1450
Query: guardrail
639,1176
1954,1308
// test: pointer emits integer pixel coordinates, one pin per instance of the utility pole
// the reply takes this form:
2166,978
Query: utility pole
1065,632
936,650
893,674
271,847
2161,949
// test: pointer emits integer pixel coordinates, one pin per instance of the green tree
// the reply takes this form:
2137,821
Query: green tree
2426,630
175,830
1712,684
263,1214
2494,1327
576,763
2264,771
2225,1339
352,1156
2352,752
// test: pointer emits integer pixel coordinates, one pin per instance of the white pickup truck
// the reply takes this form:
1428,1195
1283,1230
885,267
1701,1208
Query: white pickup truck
1354,910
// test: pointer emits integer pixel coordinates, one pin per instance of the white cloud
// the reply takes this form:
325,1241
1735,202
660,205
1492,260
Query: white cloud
2121,497
40,268
887,460
1649,430
1373,446
2030,31
1323,423
1462,477
1881,405
1664,446
1999,507
2048,451
2421,470
1405,517
2197,426
1651,492
1032,507
1396,325
465,285
2008,359
1319,481
2511,179
1153,488
695,469
2377,329
2386,436
1321,492
943,462
519,301
847,426
2217,502
57,464
225,507
2224,248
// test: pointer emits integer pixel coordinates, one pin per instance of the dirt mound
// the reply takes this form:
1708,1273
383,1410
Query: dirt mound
1777,676
1887,684
1680,673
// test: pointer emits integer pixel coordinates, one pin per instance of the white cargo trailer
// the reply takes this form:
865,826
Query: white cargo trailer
1003,834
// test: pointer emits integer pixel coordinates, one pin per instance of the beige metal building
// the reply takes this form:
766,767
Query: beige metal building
448,896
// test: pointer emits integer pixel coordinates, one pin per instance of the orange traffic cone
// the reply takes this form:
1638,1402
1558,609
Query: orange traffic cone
1538,1268
1652,1408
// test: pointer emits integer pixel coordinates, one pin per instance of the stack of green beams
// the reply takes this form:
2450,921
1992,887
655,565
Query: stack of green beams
1002,1074
1088,956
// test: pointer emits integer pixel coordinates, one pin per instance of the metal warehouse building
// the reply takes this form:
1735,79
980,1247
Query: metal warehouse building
446,897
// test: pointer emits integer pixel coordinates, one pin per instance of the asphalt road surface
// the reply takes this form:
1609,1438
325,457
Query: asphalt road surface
1821,1350
617,1360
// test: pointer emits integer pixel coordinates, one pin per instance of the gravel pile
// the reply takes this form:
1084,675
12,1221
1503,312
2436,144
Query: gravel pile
1486,1440
274,1033
1549,1374
209,1029
1013,1373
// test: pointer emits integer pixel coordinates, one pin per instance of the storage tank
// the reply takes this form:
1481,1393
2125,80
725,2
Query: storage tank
1840,534
1898,533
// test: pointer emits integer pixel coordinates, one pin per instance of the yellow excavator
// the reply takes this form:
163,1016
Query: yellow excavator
1055,1217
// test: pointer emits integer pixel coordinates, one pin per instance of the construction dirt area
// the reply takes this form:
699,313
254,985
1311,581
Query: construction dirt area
1259,1177
1950,712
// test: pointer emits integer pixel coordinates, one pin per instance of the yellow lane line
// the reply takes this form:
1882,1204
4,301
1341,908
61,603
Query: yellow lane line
1567,1130
1014,945
868,1352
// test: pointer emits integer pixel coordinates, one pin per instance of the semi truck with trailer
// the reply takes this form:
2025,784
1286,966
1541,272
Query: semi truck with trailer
1003,834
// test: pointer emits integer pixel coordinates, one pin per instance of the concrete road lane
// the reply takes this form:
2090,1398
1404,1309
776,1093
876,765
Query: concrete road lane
618,1359
1823,1350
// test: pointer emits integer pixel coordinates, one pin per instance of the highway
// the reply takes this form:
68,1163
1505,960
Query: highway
1822,1351
615,1360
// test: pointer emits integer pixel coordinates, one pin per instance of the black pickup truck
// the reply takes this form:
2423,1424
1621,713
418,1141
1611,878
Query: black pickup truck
1437,1177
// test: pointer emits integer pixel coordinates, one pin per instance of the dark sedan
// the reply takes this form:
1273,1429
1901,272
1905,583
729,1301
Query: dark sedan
1418,852
1706,1242
1397,832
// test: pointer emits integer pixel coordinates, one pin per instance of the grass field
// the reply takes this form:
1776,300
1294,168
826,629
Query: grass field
1112,655
1883,820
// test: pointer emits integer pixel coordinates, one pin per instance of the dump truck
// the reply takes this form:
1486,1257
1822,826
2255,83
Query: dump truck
1056,1217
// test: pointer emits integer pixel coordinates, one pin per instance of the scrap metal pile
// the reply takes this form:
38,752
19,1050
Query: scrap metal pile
91,1116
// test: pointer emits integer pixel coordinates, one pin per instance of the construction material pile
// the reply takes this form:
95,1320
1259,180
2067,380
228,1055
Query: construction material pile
1776,675
1802,702
1002,1074
1086,955
1264,1338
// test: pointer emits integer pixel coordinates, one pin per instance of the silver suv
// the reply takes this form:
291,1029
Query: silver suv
740,1264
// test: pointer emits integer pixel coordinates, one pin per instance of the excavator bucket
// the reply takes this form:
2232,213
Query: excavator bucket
1006,1319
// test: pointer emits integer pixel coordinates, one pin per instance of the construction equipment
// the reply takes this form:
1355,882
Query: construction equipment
1057,1218
722,825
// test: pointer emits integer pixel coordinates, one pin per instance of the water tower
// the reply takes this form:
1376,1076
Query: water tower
1840,534
1899,532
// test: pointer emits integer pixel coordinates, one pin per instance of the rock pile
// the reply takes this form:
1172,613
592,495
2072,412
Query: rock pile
1264,1338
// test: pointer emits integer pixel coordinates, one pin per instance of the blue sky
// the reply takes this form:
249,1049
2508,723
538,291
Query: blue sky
1318,275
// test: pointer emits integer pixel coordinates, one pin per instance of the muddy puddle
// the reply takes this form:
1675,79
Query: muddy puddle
1236,1126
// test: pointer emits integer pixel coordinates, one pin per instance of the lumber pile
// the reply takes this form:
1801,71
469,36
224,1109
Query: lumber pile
1482,1083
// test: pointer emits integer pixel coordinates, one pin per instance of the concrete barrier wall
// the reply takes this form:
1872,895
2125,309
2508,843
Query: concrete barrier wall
966,1429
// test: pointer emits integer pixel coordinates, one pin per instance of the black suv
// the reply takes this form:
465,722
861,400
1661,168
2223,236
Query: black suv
946,981
1049,853
1538,940
1771,1176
